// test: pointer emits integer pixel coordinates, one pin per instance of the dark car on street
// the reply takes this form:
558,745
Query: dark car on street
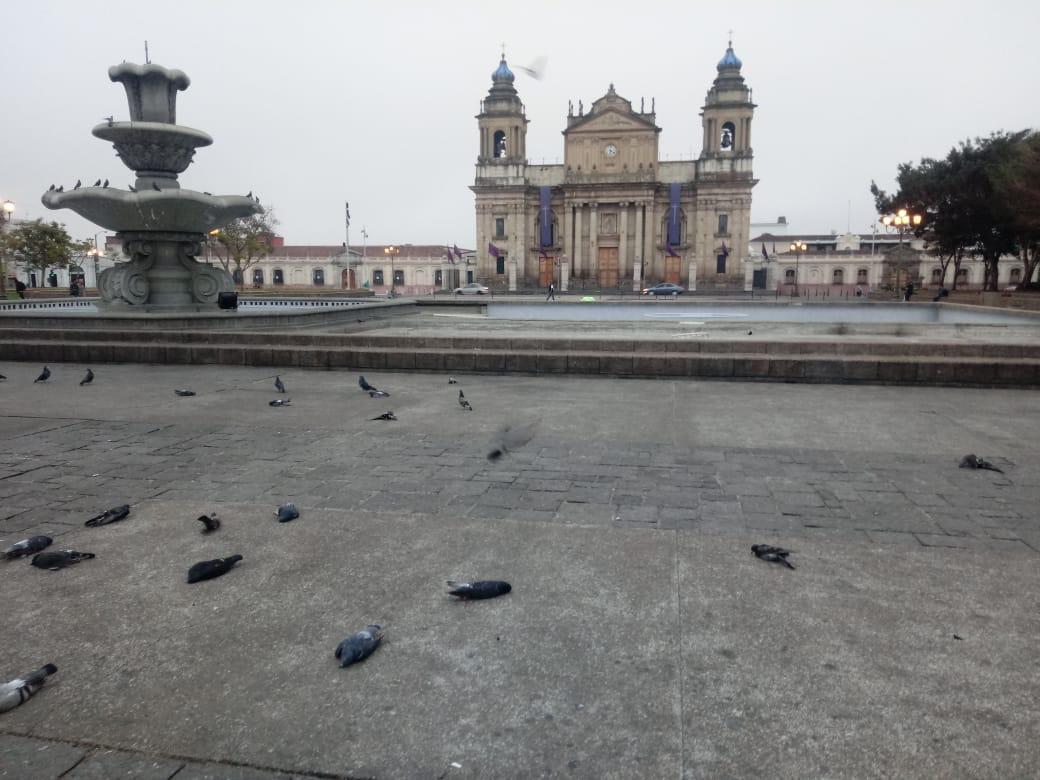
664,288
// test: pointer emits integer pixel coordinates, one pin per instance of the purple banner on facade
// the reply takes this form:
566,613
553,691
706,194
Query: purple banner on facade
493,250
545,216
674,222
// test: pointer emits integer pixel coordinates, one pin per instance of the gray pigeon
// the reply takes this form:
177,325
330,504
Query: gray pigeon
51,188
78,184
452,380
105,185
464,403
183,391
29,546
767,552
359,646
386,416
59,560
208,570
973,461
511,437
61,188
478,589
280,402
373,392
44,375
210,521
279,385
97,183
287,512
113,515
87,379
21,689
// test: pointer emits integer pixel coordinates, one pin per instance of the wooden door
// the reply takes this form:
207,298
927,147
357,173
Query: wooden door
546,271
608,266
671,269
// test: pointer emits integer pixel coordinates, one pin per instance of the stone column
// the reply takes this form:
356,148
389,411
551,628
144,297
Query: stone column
749,275
566,221
516,248
623,242
577,238
565,275
650,256
445,276
512,274
637,261
693,273
593,238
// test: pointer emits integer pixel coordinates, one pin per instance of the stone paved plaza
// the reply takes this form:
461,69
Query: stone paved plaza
641,639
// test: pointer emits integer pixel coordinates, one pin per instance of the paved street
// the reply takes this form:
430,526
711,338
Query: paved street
641,639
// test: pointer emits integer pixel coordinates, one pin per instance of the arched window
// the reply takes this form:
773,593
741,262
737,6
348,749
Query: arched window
437,278
729,135
258,277
319,277
937,276
377,277
236,276
1016,275
861,276
789,276
278,277
500,144
838,277
962,276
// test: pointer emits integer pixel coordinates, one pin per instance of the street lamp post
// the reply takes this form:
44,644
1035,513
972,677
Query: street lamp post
902,222
797,247
391,252
6,210
96,254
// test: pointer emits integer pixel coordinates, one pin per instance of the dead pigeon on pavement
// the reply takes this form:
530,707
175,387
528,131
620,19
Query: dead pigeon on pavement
21,689
973,461
87,379
183,391
386,416
279,385
287,512
113,515
464,403
478,589
280,402
767,552
44,375
207,570
373,392
58,560
210,521
510,437
359,646
28,546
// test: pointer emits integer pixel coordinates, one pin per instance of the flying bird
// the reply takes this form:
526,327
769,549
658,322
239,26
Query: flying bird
287,512
183,391
452,380
973,461
511,437
280,402
386,416
44,375
464,403
60,559
113,515
279,385
767,552
210,521
536,69
29,546
87,379
373,392
207,570
156,187
97,183
478,589
359,646
78,184
21,689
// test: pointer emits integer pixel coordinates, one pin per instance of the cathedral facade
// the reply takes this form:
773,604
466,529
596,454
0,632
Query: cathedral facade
614,214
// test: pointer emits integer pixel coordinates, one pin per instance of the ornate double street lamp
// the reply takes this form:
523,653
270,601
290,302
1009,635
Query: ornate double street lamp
6,210
391,252
902,222
797,247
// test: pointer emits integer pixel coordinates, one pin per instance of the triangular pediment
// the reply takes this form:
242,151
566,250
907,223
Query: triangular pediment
609,120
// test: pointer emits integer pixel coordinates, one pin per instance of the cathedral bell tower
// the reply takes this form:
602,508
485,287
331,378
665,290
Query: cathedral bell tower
727,113
503,125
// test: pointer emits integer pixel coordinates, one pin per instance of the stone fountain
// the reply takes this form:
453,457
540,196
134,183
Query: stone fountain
162,227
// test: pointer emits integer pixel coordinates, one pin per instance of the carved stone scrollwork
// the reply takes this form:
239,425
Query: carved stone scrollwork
128,282
207,281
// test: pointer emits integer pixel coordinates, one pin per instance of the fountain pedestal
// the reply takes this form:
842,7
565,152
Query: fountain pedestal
163,227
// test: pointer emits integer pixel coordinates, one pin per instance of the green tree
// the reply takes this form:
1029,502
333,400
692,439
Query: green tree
1017,183
244,242
41,246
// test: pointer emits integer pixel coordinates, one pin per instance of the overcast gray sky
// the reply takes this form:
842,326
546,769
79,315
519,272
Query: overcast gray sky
314,103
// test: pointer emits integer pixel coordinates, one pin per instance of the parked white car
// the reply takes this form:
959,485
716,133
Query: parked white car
473,288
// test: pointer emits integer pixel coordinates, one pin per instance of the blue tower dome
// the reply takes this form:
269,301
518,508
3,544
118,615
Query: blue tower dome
729,59
502,72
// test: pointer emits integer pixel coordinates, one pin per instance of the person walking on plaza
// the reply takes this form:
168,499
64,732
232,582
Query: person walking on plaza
552,292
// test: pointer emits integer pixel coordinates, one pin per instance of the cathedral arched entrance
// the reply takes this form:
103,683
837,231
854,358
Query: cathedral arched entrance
607,267
546,271
349,279
672,269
